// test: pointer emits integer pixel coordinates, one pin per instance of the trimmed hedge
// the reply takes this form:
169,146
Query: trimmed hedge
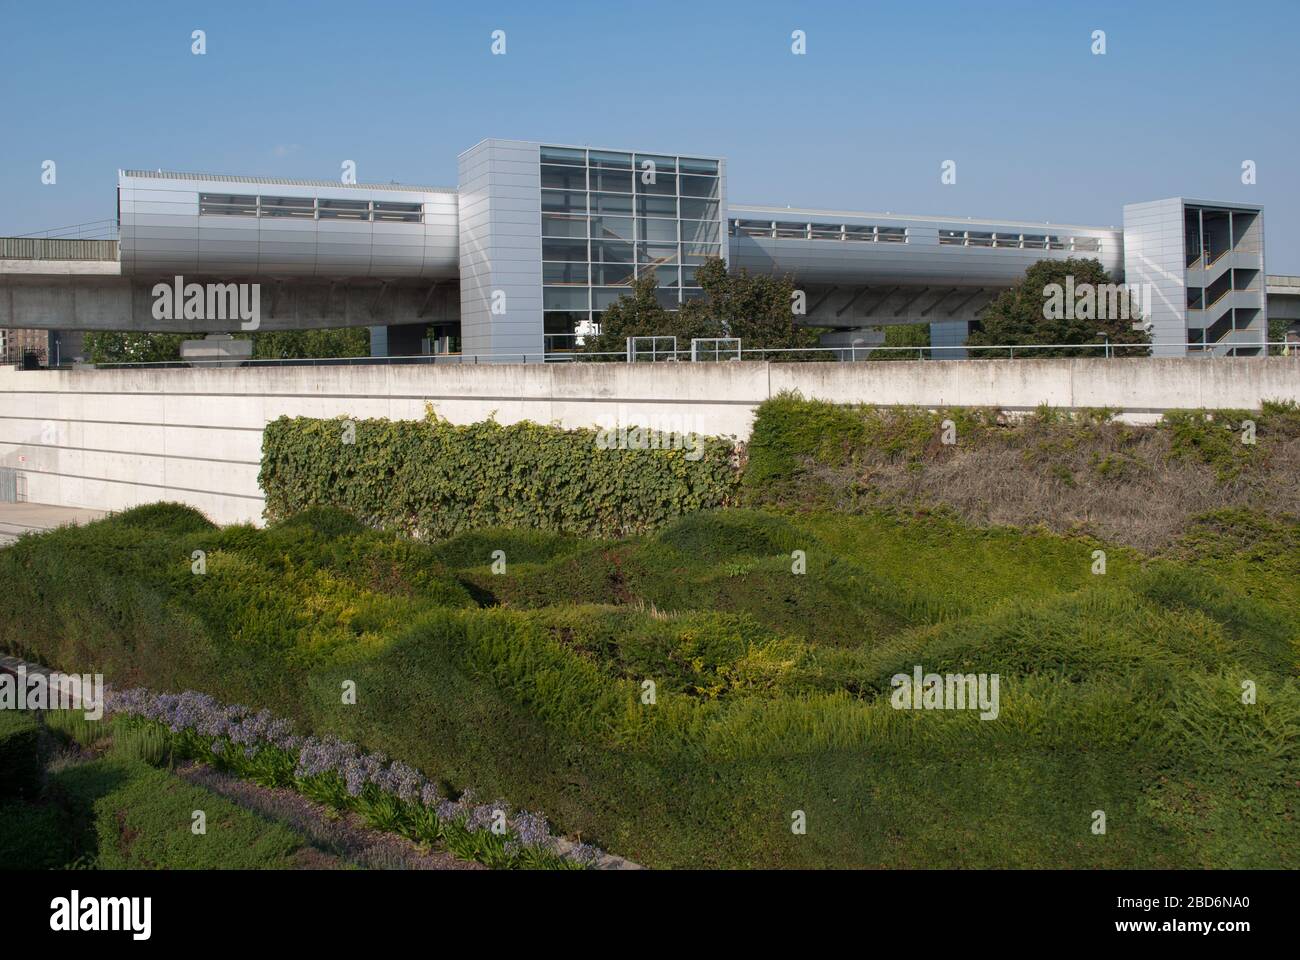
430,478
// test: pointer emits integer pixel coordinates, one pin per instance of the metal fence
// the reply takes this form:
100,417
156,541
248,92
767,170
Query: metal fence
846,354
45,248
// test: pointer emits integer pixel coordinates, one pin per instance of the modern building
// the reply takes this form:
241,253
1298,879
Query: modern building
522,256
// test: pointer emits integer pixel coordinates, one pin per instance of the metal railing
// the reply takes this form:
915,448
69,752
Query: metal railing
845,354
43,248
105,229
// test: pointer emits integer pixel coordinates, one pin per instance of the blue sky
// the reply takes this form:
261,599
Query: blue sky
1040,128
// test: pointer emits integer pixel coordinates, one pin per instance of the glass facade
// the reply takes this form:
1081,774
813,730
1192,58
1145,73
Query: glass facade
610,217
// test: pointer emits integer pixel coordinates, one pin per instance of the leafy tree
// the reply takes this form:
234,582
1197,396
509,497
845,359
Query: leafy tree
1028,313
120,346
135,347
903,335
1277,328
295,344
757,308
639,314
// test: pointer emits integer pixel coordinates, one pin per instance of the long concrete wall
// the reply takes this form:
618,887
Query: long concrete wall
111,439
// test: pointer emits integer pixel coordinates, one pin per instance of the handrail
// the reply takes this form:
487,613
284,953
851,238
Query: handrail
107,225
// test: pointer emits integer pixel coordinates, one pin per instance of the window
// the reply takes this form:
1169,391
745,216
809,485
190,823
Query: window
706,187
399,212
574,250
304,207
603,297
891,234
700,252
564,298
611,251
661,164
979,239
663,184
657,230
957,237
611,228
564,178
565,273
614,181
754,228
701,231
611,274
788,231
663,228
1087,243
689,165
609,160
656,206
667,276
227,205
860,233
822,231
561,226
564,155
1001,239
656,253
615,203
564,201
699,209
344,209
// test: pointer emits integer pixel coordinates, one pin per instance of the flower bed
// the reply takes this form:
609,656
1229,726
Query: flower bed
390,796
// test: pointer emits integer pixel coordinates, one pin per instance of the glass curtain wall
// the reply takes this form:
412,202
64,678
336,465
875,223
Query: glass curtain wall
611,217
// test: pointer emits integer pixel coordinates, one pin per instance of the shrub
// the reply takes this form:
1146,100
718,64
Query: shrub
430,478
20,760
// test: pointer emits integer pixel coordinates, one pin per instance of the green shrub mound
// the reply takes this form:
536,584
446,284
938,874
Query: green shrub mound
674,696
20,765
431,478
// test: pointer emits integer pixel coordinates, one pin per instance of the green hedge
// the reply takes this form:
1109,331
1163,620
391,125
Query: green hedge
431,478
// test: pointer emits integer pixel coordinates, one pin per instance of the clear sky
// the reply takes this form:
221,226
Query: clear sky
1039,126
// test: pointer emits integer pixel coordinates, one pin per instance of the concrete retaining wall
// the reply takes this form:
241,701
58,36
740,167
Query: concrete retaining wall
111,439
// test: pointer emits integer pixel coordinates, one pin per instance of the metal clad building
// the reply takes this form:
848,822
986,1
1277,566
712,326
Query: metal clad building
521,258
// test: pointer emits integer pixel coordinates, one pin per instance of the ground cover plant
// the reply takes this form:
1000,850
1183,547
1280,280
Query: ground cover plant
116,808
1073,472
771,690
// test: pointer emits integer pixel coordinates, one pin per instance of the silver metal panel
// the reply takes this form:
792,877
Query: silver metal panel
163,232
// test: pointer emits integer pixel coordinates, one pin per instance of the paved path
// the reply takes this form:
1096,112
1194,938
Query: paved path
19,518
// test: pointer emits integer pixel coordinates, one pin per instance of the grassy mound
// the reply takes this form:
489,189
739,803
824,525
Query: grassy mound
677,697
1080,472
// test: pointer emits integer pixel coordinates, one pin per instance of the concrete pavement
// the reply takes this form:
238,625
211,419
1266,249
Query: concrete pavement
20,518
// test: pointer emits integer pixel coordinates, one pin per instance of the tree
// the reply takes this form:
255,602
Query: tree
121,346
904,335
294,344
756,308
1068,301
639,314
